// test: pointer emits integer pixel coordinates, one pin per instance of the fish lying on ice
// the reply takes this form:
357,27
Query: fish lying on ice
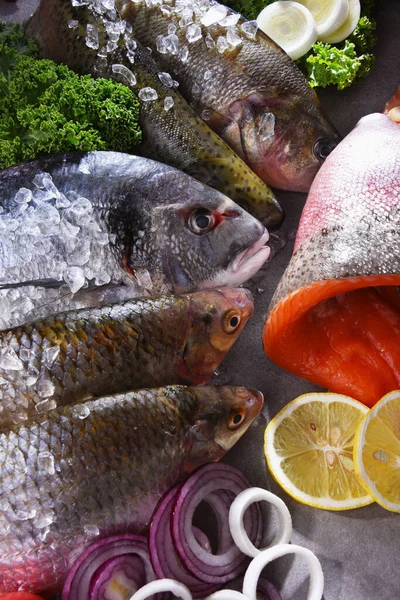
148,342
172,131
335,317
69,477
103,218
243,84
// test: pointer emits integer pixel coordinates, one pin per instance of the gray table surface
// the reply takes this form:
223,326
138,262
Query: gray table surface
358,549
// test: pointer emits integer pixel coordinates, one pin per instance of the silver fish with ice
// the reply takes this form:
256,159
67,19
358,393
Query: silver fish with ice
121,224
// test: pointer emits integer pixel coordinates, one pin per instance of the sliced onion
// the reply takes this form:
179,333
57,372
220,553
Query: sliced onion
238,510
227,595
85,579
266,590
213,483
162,585
251,578
164,558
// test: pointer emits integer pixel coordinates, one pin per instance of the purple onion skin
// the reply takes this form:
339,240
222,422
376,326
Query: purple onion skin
267,591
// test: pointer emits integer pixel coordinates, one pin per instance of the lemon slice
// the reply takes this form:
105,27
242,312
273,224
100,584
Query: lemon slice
377,451
309,450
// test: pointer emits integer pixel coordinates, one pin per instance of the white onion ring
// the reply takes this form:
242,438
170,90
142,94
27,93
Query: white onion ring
258,563
236,514
227,595
162,585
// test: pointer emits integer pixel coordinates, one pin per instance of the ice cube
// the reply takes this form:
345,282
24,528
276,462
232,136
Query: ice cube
74,278
23,196
161,44
266,129
184,54
250,29
9,360
214,14
44,518
168,103
46,462
92,36
147,94
45,405
186,18
233,38
171,28
171,44
209,41
125,72
230,20
207,74
166,79
45,388
222,44
73,24
193,33
50,355
91,530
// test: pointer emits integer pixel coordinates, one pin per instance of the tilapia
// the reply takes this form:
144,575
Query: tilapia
90,38
148,342
69,477
241,83
102,219
335,317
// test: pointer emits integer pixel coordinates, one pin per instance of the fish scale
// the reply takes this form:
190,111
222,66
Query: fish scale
335,316
177,137
110,469
250,80
160,341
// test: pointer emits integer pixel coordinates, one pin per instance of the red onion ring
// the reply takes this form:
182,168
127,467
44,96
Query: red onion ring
163,555
86,572
203,485
266,590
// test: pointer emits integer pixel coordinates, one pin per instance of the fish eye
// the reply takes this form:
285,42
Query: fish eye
236,419
323,147
201,221
232,321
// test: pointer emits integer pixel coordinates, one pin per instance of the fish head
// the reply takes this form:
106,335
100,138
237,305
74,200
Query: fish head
217,319
194,237
283,141
224,413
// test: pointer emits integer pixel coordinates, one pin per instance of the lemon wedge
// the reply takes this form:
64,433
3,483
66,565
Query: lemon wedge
377,451
309,450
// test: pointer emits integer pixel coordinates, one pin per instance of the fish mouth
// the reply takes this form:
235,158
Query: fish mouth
252,258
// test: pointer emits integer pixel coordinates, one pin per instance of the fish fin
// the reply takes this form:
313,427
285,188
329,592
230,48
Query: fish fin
46,283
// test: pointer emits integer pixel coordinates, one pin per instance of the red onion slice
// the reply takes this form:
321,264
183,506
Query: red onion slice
164,558
266,590
203,485
87,571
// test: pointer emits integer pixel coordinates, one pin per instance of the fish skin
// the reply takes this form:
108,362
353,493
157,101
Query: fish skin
148,342
178,136
347,250
248,83
108,470
147,206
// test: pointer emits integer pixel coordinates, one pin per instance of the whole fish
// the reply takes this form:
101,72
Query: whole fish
147,342
172,131
68,478
243,84
335,317
104,218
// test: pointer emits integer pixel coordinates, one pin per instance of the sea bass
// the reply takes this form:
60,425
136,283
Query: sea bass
104,218
241,83
148,342
91,38
335,317
68,478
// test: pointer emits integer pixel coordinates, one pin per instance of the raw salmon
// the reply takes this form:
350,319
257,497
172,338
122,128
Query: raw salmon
335,317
